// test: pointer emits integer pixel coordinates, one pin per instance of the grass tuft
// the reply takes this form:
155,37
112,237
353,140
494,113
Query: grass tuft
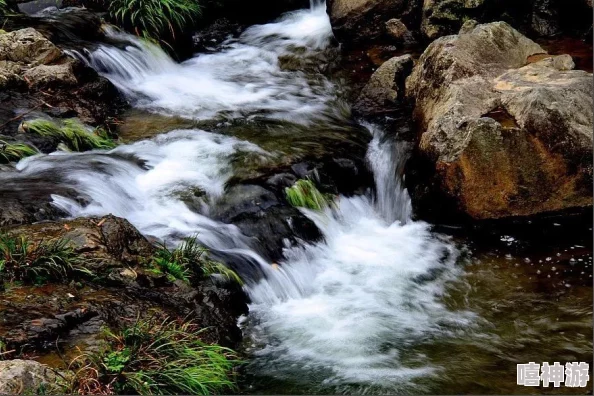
152,18
20,261
14,152
304,194
155,357
75,135
191,260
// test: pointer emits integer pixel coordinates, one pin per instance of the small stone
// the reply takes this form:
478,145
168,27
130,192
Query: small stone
398,30
563,63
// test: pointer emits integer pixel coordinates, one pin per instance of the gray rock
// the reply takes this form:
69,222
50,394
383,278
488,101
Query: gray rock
382,91
28,47
46,75
505,138
26,377
27,56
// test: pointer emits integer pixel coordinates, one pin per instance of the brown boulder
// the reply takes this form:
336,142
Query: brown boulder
504,138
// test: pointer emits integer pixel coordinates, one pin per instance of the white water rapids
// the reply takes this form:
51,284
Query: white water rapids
336,312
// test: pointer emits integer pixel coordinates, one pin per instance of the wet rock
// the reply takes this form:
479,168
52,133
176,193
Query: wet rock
217,308
442,17
30,201
36,75
384,87
210,37
356,21
260,215
502,138
544,19
397,30
26,377
108,242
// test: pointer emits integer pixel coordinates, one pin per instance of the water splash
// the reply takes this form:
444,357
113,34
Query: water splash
342,311
245,78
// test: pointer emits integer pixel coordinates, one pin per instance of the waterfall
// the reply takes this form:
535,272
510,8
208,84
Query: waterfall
246,77
339,311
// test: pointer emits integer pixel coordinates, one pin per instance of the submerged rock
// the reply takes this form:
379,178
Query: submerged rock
500,136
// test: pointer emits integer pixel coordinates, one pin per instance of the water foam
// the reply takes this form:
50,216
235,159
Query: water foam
144,182
347,306
244,78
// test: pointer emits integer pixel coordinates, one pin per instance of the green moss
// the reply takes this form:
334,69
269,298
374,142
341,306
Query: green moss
75,135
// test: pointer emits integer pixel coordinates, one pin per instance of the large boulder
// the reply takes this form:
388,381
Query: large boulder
26,377
500,136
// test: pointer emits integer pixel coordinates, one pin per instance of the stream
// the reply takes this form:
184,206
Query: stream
383,303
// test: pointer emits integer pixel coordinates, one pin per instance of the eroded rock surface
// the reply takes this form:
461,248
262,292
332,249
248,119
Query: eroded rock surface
25,377
504,137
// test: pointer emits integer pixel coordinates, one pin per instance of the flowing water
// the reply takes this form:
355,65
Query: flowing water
383,303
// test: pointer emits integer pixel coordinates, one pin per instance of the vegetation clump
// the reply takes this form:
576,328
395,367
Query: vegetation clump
14,152
305,194
72,133
21,261
190,260
155,357
151,19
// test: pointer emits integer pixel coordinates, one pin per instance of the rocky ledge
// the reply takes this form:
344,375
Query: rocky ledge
55,320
